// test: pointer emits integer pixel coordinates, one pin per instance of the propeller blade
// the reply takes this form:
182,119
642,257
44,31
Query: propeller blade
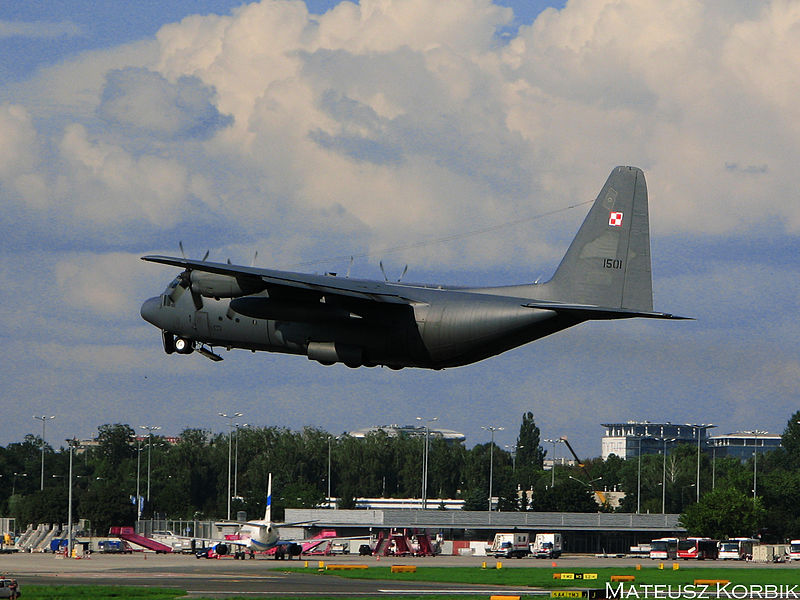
403,275
197,299
380,264
180,245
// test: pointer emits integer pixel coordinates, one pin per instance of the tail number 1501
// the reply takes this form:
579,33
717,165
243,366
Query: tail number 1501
612,263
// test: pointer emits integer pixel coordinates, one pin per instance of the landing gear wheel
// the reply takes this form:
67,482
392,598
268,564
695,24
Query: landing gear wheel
183,346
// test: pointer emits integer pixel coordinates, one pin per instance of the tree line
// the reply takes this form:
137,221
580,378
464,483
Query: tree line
189,479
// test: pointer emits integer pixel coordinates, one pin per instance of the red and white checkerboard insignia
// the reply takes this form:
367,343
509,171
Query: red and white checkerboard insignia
615,219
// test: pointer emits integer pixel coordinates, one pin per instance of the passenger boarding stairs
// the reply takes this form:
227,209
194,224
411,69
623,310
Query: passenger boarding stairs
44,543
398,543
36,536
23,539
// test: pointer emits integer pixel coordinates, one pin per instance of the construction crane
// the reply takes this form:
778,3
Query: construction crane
599,494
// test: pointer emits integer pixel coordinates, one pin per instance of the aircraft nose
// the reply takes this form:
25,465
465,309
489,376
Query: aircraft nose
149,310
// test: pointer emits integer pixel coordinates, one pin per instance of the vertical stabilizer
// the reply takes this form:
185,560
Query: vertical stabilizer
268,511
608,262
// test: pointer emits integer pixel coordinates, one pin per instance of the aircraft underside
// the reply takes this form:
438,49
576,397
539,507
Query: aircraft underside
427,336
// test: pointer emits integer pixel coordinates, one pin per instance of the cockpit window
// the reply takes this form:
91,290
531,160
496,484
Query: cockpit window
173,292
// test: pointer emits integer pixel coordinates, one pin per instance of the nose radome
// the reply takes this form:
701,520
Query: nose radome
149,310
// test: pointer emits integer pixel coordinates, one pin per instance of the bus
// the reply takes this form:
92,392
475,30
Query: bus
794,550
737,549
699,548
664,548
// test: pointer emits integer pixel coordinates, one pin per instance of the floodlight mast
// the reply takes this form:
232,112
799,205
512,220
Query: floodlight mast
230,436
491,428
425,461
150,429
43,419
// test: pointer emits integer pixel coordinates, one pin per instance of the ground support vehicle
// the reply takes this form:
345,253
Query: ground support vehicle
114,547
664,549
547,545
510,545
794,550
9,588
737,549
699,548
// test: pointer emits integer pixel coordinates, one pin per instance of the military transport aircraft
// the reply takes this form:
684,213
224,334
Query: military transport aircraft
605,274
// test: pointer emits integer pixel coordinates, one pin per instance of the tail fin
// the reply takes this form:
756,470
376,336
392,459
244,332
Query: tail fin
608,262
268,511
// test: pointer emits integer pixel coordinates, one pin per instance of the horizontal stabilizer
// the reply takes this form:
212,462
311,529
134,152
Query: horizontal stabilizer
588,312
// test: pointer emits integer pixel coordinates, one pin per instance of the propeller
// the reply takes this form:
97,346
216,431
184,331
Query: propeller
186,279
386,278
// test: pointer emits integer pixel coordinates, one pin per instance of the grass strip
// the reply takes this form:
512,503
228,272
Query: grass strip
100,592
539,577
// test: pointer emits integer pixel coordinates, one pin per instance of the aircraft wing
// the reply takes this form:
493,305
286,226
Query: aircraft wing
377,291
587,312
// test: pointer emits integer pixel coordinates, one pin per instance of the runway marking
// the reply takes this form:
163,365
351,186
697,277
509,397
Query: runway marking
477,592
350,594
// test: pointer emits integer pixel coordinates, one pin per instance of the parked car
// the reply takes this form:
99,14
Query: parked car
9,588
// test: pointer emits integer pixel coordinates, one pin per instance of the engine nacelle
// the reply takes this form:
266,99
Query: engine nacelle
328,353
214,285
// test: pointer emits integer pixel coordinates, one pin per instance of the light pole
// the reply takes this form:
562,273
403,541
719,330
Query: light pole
512,449
73,443
329,470
639,478
236,462
664,478
425,461
755,433
150,429
43,419
491,428
553,460
14,485
230,436
138,493
699,428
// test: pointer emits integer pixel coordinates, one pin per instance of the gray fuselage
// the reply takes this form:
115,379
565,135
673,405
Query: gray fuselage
439,328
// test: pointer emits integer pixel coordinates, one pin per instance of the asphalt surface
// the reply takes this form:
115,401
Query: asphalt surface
261,578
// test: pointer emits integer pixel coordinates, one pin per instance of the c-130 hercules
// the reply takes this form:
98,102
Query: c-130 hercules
605,274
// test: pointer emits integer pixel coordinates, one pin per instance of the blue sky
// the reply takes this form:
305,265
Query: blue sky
338,129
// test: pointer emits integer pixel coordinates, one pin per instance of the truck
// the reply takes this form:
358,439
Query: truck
510,545
547,545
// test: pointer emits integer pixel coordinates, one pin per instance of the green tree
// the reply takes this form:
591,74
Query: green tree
723,512
105,504
115,445
790,440
529,452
